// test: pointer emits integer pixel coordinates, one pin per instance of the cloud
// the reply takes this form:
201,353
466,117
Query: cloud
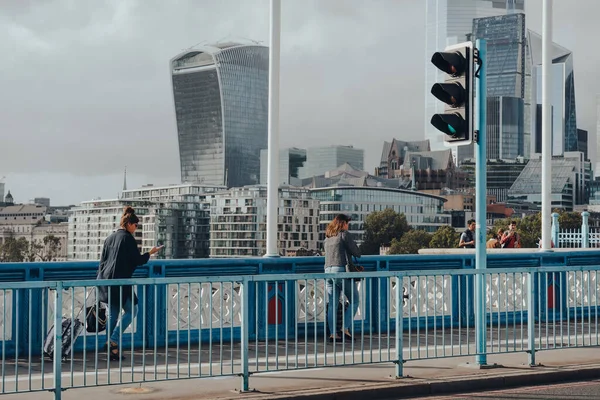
86,89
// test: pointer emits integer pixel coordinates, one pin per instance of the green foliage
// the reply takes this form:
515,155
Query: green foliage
411,242
50,249
569,220
19,250
528,228
445,237
381,227
14,250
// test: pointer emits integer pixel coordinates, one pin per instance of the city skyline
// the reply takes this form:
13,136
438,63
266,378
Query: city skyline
111,106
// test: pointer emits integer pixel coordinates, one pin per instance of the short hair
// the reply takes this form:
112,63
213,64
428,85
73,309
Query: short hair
471,221
513,222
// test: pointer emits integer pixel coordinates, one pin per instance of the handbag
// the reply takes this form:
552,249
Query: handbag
351,267
95,318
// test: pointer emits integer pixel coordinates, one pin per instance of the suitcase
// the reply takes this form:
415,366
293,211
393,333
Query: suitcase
68,325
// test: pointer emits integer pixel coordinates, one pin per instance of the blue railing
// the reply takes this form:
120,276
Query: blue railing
201,318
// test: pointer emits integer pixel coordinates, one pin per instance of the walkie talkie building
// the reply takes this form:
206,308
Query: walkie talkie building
221,105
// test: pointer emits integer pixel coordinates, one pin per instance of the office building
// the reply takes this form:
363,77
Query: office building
322,159
501,174
582,142
357,193
507,98
220,94
43,201
564,118
290,162
571,181
238,222
449,22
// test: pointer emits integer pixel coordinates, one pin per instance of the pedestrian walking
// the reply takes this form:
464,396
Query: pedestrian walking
120,257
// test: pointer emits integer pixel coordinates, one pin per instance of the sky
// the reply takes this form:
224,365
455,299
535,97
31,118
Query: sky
86,88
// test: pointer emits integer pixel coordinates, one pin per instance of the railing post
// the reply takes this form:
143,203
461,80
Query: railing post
58,303
531,296
555,230
399,328
244,333
585,230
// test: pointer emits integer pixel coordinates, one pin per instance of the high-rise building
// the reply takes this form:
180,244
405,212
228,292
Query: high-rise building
449,22
42,201
501,174
571,176
322,159
221,105
582,142
238,222
562,97
290,162
179,219
93,221
175,216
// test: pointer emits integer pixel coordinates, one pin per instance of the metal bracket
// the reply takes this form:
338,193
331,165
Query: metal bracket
476,136
397,362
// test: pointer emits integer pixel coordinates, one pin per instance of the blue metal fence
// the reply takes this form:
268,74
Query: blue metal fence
238,317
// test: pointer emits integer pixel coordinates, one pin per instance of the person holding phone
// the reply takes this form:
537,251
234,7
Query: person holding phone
120,257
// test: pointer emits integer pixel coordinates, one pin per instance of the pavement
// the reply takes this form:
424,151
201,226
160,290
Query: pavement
375,381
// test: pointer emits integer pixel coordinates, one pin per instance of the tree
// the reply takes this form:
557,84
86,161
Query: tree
380,228
19,250
13,250
569,220
50,249
445,237
529,229
411,242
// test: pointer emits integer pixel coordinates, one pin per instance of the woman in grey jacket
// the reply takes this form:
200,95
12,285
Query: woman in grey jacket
339,246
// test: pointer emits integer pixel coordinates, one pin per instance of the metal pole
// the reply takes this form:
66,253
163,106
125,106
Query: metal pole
273,147
480,209
546,123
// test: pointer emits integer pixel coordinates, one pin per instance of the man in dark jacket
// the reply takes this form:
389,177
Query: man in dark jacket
120,257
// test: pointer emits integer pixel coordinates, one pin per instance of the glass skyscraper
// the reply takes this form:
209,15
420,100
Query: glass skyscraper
221,94
564,117
322,159
449,22
506,131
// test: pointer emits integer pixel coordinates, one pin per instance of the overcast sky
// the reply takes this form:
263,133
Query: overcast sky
85,85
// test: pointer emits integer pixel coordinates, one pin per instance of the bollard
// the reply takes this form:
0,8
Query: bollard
585,230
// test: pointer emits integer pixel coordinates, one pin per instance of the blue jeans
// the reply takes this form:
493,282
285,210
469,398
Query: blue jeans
118,325
334,288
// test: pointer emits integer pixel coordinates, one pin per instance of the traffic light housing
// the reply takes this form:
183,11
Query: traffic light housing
456,92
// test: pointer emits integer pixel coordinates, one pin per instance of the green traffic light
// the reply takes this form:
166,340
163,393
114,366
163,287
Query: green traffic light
451,129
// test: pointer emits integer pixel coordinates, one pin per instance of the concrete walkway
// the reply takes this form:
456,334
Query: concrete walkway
376,381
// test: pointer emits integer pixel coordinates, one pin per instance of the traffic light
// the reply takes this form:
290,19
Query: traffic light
456,92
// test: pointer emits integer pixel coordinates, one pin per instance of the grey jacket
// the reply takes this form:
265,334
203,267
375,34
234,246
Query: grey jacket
337,248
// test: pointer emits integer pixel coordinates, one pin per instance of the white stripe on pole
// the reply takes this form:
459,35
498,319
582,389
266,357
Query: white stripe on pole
273,146
546,124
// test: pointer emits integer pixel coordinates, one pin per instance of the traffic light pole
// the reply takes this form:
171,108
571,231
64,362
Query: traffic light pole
481,206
